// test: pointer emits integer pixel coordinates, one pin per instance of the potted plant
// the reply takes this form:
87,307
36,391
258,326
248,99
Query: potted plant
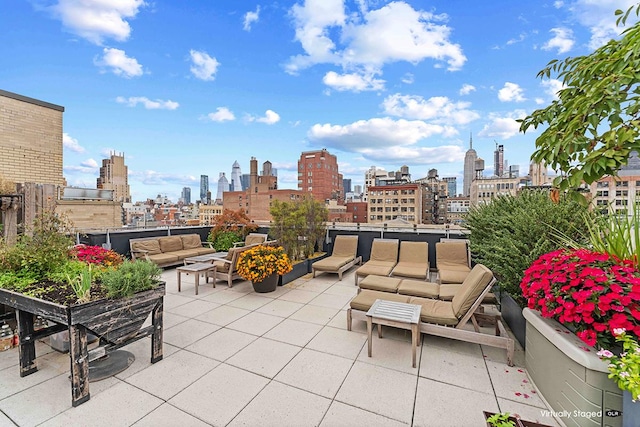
262,265
511,232
624,369
299,226
504,419
78,289
229,228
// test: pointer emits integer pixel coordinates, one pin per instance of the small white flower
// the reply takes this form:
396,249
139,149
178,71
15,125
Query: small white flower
624,374
619,331
605,353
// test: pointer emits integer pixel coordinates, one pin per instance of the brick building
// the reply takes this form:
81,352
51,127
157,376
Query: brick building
318,174
30,135
256,199
358,211
114,175
388,202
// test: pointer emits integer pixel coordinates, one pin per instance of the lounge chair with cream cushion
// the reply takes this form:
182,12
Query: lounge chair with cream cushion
384,256
343,257
413,261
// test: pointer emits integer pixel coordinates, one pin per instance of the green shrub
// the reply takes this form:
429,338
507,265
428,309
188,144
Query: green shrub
299,226
510,233
131,277
224,240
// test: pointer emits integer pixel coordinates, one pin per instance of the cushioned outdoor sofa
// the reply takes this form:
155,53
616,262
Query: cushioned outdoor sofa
169,250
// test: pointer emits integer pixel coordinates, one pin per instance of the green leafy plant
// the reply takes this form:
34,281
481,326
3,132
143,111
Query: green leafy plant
81,283
131,277
224,240
511,232
624,368
592,128
231,221
299,226
500,419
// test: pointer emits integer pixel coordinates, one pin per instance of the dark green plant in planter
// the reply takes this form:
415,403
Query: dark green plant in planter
229,228
131,277
510,233
299,226
224,240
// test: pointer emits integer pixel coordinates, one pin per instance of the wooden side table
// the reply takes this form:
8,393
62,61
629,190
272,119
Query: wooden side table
198,269
397,314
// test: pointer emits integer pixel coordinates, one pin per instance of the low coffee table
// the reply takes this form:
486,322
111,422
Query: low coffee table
204,258
397,314
199,268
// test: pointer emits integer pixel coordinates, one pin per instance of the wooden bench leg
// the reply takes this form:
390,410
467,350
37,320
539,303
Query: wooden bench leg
156,337
369,337
27,348
79,364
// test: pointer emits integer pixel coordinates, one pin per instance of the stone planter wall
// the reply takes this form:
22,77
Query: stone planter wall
570,376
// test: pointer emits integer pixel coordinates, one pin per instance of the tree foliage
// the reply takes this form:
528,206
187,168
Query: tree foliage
299,225
231,221
511,232
593,126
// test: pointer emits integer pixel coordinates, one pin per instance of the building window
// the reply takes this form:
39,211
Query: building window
622,193
622,183
603,184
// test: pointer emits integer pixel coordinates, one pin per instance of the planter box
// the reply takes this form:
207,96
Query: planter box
569,375
524,423
299,270
117,322
310,261
513,317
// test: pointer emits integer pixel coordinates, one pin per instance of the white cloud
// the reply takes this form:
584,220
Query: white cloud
417,155
562,40
552,87
222,114
270,117
250,18
119,63
204,67
151,177
71,143
466,89
98,19
539,101
376,133
519,39
158,104
511,92
369,39
599,18
89,166
407,79
438,109
352,82
502,126
558,4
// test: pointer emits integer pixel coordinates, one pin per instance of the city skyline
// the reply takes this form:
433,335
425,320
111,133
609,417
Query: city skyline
186,90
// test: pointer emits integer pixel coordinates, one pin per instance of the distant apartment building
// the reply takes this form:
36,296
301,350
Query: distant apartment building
205,195
185,196
358,211
346,185
498,161
483,190
457,209
338,212
236,178
375,176
263,189
318,174
452,186
620,193
223,186
207,213
114,176
389,202
30,135
538,174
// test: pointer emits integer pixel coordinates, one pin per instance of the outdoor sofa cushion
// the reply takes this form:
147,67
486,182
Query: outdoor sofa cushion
151,247
170,243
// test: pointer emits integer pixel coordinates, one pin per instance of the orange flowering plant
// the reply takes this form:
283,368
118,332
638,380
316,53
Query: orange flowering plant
260,262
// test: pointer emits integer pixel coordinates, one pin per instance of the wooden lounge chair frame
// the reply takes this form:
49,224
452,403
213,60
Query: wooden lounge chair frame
501,339
356,259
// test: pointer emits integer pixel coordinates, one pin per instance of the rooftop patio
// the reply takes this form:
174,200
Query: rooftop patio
235,357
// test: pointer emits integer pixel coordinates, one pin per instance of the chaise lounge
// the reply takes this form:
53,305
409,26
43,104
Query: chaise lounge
447,318
453,261
384,256
343,257
413,261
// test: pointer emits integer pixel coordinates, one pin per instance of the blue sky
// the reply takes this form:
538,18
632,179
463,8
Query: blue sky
186,88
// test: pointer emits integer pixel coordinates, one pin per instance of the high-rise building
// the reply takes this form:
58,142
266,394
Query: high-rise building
470,158
186,195
204,188
114,176
223,186
236,180
498,160
378,176
245,179
538,174
346,184
452,186
357,189
318,174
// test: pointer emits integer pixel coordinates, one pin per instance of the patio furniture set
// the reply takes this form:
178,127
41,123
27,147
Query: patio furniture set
393,286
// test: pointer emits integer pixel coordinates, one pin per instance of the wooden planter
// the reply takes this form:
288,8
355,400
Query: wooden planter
117,322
